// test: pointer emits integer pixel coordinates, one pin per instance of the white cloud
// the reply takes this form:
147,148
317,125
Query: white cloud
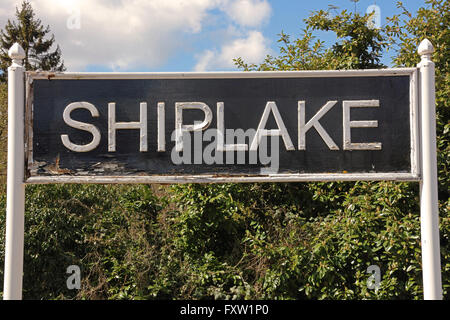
253,49
140,35
205,60
118,34
248,13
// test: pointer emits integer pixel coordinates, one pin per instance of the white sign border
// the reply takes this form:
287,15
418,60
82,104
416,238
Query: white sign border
413,175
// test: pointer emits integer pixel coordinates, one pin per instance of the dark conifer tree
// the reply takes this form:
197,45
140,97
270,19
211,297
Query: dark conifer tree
29,32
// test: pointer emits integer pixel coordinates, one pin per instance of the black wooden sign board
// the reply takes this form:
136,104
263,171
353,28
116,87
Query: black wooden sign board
221,127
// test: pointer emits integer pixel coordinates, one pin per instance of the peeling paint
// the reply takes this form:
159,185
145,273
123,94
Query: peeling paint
54,168
125,166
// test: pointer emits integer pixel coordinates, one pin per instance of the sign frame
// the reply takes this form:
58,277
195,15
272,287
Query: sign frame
423,152
413,175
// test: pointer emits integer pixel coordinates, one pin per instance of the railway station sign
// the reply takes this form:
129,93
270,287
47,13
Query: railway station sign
221,127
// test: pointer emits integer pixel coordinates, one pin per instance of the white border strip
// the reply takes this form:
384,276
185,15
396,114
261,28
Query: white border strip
414,175
224,179
213,75
414,123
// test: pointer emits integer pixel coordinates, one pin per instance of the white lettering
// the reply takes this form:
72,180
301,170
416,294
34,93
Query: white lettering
221,132
161,127
314,122
82,126
347,125
281,131
180,127
113,126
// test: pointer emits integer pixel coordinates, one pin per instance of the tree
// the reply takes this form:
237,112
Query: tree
358,46
384,227
256,240
405,32
29,32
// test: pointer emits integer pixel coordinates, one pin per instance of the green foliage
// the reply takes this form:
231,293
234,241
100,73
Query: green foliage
326,256
109,231
250,241
405,33
297,241
357,46
29,32
360,47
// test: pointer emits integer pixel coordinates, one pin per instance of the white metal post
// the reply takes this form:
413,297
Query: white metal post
429,213
15,198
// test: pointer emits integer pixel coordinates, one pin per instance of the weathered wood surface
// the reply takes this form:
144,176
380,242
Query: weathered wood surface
244,101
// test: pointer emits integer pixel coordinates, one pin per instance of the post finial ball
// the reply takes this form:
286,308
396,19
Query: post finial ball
425,47
16,52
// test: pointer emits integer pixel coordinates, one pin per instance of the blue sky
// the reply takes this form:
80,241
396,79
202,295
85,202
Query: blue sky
178,35
288,16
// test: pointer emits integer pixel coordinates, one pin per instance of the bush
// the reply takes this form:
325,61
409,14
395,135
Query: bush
105,230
